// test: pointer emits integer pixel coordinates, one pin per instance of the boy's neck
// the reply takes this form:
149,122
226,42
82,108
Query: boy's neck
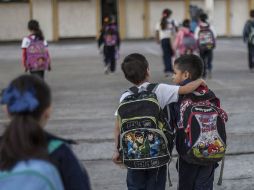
139,84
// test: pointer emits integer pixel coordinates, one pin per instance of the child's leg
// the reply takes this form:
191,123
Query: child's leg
205,178
112,59
186,175
156,178
136,179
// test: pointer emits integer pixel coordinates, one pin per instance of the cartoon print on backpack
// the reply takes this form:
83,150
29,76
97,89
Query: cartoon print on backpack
204,128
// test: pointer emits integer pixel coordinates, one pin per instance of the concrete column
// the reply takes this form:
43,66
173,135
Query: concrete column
146,18
209,8
122,18
42,11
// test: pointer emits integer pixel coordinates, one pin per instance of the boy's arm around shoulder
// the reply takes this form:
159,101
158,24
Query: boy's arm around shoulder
116,154
190,87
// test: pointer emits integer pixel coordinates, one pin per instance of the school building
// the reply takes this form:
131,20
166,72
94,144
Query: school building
61,19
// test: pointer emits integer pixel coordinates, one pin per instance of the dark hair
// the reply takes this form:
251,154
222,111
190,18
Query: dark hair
203,17
252,13
191,63
186,23
33,25
135,67
164,20
24,138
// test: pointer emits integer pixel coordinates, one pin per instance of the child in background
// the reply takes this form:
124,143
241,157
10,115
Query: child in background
185,42
35,55
110,38
28,103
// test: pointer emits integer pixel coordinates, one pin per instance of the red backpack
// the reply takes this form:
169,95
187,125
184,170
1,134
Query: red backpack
37,57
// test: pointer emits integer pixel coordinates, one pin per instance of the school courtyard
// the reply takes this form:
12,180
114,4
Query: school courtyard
85,99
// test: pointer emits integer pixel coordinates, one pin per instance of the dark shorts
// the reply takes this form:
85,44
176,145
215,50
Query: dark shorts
195,177
152,179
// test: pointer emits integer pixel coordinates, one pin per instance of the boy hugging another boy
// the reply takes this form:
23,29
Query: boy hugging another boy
136,70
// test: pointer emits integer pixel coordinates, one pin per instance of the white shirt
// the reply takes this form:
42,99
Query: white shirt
169,31
165,93
26,42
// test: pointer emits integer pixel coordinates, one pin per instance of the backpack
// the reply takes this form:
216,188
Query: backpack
189,43
110,35
206,39
202,129
30,175
37,57
146,141
251,35
37,174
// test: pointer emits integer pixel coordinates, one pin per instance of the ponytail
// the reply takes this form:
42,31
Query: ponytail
164,23
23,139
26,98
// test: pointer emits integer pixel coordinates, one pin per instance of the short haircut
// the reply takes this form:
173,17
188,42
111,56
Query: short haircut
135,67
203,17
191,63
252,13
186,23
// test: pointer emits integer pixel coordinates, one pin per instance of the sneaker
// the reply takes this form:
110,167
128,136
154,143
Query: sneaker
106,70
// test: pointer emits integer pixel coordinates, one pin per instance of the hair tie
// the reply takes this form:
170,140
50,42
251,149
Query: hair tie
19,102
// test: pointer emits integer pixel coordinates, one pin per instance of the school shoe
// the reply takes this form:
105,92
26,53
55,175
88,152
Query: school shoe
106,70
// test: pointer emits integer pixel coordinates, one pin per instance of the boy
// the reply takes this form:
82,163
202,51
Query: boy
191,176
136,70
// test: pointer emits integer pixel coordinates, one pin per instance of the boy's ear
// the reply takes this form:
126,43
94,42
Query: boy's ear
187,75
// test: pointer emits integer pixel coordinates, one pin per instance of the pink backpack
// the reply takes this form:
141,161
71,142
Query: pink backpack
37,55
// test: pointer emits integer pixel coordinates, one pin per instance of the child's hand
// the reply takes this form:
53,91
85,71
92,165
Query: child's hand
203,82
116,158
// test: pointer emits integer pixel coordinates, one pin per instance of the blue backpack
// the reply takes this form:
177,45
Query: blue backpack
33,174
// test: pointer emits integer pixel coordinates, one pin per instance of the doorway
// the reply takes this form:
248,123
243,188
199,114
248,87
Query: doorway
108,8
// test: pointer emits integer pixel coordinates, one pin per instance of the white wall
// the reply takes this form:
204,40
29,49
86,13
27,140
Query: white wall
219,20
156,8
239,15
13,21
77,19
42,12
134,19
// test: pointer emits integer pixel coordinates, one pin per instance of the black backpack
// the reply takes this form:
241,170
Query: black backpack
201,135
206,39
145,138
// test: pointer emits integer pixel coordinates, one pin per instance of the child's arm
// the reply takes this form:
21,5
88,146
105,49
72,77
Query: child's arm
116,154
24,58
190,87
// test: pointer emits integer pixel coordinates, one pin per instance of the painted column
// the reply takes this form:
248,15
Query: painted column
122,18
209,8
251,5
228,17
42,11
146,18
187,8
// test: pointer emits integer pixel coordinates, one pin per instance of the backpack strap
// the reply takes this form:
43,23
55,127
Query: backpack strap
152,87
208,96
134,90
53,145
